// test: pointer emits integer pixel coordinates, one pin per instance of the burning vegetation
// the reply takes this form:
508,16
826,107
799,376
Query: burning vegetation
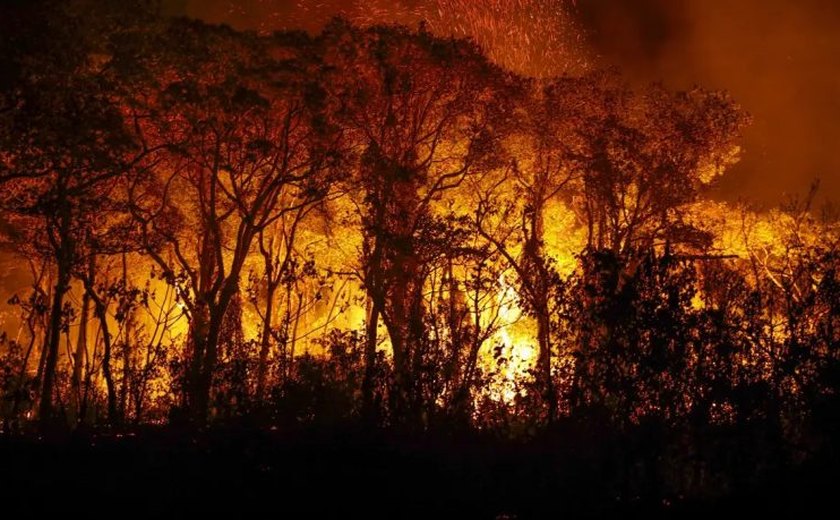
379,225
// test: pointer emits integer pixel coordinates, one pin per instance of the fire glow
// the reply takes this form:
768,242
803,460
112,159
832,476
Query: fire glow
441,224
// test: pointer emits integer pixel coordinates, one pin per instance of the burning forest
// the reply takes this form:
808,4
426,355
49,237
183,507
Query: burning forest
427,257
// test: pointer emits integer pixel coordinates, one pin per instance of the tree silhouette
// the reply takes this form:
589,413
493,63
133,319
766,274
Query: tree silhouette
421,110
245,144
65,145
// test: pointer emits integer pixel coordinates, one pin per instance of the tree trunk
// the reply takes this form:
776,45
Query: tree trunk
126,351
99,309
539,287
368,409
265,345
24,367
200,398
78,359
52,341
544,363
405,323
293,337
63,249
42,362
461,399
206,356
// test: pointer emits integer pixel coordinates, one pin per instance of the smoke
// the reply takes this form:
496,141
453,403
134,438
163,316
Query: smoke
778,58
532,37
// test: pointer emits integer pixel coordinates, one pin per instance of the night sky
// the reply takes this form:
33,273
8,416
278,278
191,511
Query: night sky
779,58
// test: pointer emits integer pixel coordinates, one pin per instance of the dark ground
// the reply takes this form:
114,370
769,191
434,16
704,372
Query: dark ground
348,474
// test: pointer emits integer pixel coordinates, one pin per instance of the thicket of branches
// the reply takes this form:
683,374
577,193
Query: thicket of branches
196,204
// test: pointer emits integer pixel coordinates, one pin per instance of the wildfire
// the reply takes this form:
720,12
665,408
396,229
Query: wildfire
419,201
514,353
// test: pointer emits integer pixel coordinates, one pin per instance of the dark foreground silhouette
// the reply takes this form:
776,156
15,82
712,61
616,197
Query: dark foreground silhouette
343,472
